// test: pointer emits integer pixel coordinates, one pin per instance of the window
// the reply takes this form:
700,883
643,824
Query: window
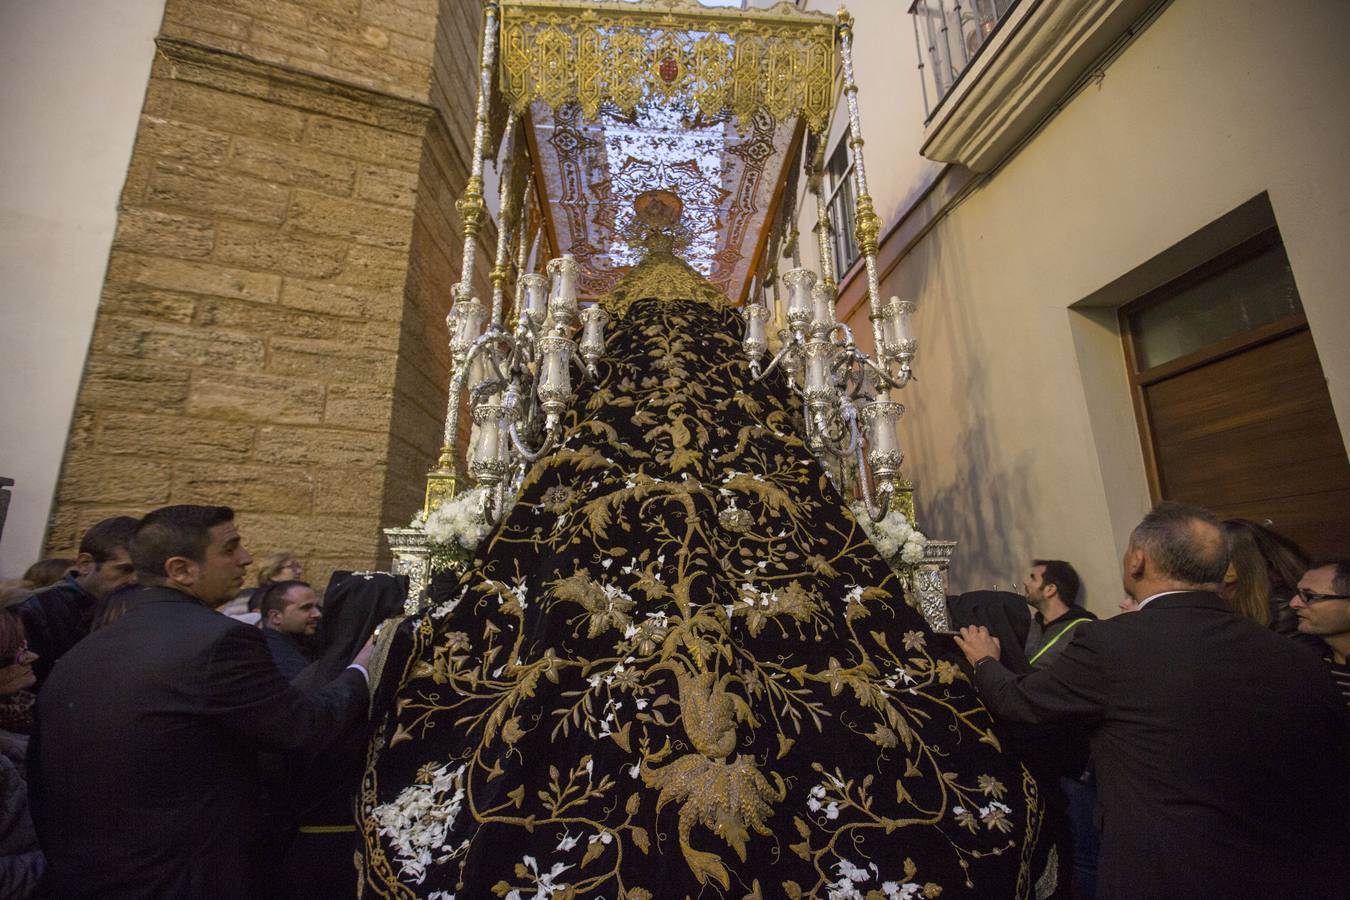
842,205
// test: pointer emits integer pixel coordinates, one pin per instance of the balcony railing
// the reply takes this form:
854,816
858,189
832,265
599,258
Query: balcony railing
948,35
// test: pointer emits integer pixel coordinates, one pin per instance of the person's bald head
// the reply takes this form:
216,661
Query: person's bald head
1176,547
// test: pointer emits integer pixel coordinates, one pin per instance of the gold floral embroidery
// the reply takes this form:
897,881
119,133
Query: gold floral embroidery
619,673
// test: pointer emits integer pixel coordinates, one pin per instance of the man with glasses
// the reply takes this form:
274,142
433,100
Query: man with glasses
1322,604
1219,746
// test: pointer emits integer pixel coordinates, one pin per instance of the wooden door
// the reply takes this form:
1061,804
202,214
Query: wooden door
1245,427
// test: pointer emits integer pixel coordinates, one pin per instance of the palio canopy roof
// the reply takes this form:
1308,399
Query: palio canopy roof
705,102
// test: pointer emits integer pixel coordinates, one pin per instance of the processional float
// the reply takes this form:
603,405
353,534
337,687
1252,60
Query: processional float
566,83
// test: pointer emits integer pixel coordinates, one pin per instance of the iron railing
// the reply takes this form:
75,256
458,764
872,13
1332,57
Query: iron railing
948,35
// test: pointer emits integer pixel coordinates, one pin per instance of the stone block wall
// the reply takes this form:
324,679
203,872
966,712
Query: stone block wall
271,332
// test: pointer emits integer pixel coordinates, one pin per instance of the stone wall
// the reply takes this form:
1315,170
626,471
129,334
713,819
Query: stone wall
271,331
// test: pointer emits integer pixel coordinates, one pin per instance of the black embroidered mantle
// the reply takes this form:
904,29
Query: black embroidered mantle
679,669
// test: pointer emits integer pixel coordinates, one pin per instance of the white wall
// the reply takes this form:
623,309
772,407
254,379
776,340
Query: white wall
73,75
1020,433
890,107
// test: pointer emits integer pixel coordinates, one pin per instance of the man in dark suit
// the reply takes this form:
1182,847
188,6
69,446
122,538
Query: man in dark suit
290,614
58,617
1219,746
150,728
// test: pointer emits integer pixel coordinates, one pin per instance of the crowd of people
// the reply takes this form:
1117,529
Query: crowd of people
1195,747
166,733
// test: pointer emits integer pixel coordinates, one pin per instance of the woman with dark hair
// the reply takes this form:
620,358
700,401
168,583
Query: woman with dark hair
1264,571
320,787
21,860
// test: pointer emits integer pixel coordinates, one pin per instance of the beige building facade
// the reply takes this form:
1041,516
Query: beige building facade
1111,158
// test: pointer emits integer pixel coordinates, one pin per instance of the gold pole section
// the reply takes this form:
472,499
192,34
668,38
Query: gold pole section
868,225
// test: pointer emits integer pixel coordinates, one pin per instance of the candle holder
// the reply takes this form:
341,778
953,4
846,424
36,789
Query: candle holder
593,322
799,283
562,302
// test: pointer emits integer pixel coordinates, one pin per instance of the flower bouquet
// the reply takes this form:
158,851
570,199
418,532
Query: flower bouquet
896,539
454,529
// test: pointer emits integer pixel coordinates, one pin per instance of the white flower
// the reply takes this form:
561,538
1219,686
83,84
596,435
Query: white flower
418,821
458,522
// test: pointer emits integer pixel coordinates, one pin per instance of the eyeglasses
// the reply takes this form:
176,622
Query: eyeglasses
1314,597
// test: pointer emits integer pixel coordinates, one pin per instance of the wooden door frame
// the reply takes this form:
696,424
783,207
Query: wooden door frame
1230,346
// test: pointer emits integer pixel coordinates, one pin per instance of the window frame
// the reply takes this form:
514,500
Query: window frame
1141,379
841,232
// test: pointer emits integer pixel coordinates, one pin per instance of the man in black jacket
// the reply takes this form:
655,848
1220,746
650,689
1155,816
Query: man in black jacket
1052,591
290,613
55,618
150,729
1219,746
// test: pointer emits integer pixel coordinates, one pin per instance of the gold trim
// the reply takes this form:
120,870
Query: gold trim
472,209
868,227
388,628
711,60
442,482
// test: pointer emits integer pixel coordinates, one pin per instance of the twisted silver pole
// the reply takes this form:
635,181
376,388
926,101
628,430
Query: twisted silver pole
868,225
505,224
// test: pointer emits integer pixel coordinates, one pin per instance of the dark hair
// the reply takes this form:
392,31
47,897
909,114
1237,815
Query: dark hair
273,597
174,531
1246,584
47,571
352,606
104,539
1185,543
11,636
1340,573
1062,576
1285,560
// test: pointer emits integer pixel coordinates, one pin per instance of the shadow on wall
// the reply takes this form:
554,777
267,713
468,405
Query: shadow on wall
964,488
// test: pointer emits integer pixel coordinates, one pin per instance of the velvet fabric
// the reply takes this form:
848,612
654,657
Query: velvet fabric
679,668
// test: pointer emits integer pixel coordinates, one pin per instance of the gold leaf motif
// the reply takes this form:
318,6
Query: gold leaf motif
511,731
640,839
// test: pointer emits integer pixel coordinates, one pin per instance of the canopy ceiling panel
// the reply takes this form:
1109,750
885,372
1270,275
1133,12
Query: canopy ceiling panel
592,171
704,102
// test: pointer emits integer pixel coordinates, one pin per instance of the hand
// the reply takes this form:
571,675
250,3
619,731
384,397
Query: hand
363,655
976,643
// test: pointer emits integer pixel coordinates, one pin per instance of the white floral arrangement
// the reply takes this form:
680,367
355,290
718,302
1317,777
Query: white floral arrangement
895,537
418,822
456,527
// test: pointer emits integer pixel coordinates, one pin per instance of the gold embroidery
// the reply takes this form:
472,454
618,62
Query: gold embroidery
780,60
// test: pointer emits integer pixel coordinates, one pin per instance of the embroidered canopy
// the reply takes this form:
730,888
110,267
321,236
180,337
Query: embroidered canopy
708,103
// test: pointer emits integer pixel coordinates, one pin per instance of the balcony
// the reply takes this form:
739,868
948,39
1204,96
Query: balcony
948,35
994,70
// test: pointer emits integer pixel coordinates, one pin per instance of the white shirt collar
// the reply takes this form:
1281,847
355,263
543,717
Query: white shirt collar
1148,600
